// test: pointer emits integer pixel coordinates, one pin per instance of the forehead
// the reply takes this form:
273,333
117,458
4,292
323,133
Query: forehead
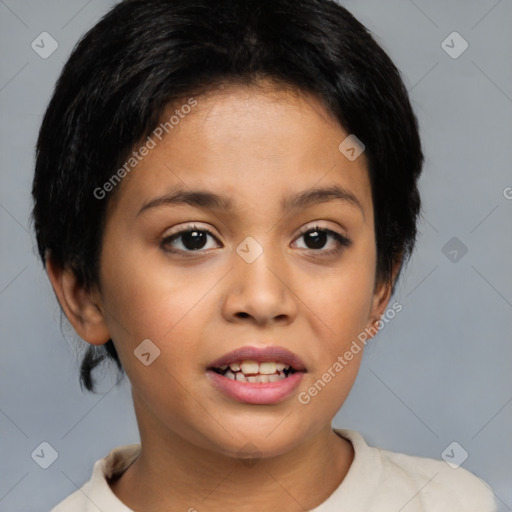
255,145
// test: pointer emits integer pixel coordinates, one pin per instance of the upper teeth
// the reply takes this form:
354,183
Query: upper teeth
250,367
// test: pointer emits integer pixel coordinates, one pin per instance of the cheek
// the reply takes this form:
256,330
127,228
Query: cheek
148,305
342,308
343,300
152,299
166,306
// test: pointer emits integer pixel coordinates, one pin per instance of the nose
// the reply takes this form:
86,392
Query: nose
261,291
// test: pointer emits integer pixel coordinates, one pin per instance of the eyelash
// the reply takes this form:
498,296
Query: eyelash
342,240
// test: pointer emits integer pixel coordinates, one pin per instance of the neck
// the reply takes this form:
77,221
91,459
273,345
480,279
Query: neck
173,474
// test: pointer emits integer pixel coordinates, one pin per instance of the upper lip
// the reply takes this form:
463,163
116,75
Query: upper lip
260,354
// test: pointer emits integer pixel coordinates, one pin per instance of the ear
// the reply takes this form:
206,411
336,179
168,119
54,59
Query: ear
80,307
381,297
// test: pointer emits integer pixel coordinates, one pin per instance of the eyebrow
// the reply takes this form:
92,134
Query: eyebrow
208,200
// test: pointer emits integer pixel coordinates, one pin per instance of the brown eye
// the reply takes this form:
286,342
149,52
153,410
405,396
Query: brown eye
192,239
316,238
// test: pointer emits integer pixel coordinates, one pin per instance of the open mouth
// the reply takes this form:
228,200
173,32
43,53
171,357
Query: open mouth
255,372
257,375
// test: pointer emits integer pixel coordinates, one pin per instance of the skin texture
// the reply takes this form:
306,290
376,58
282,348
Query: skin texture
256,145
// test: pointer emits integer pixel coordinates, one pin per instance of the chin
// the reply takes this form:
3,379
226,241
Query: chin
260,439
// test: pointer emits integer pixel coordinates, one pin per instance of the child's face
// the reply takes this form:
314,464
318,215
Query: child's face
311,296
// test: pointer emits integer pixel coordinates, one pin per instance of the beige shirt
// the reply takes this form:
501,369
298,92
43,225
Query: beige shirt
377,481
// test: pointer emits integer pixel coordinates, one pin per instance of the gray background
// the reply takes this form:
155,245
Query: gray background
439,372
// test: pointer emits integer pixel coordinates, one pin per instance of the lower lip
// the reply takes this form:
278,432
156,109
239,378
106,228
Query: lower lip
262,393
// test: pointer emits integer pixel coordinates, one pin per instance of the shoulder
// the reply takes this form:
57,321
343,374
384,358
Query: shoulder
440,484
430,484
96,493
